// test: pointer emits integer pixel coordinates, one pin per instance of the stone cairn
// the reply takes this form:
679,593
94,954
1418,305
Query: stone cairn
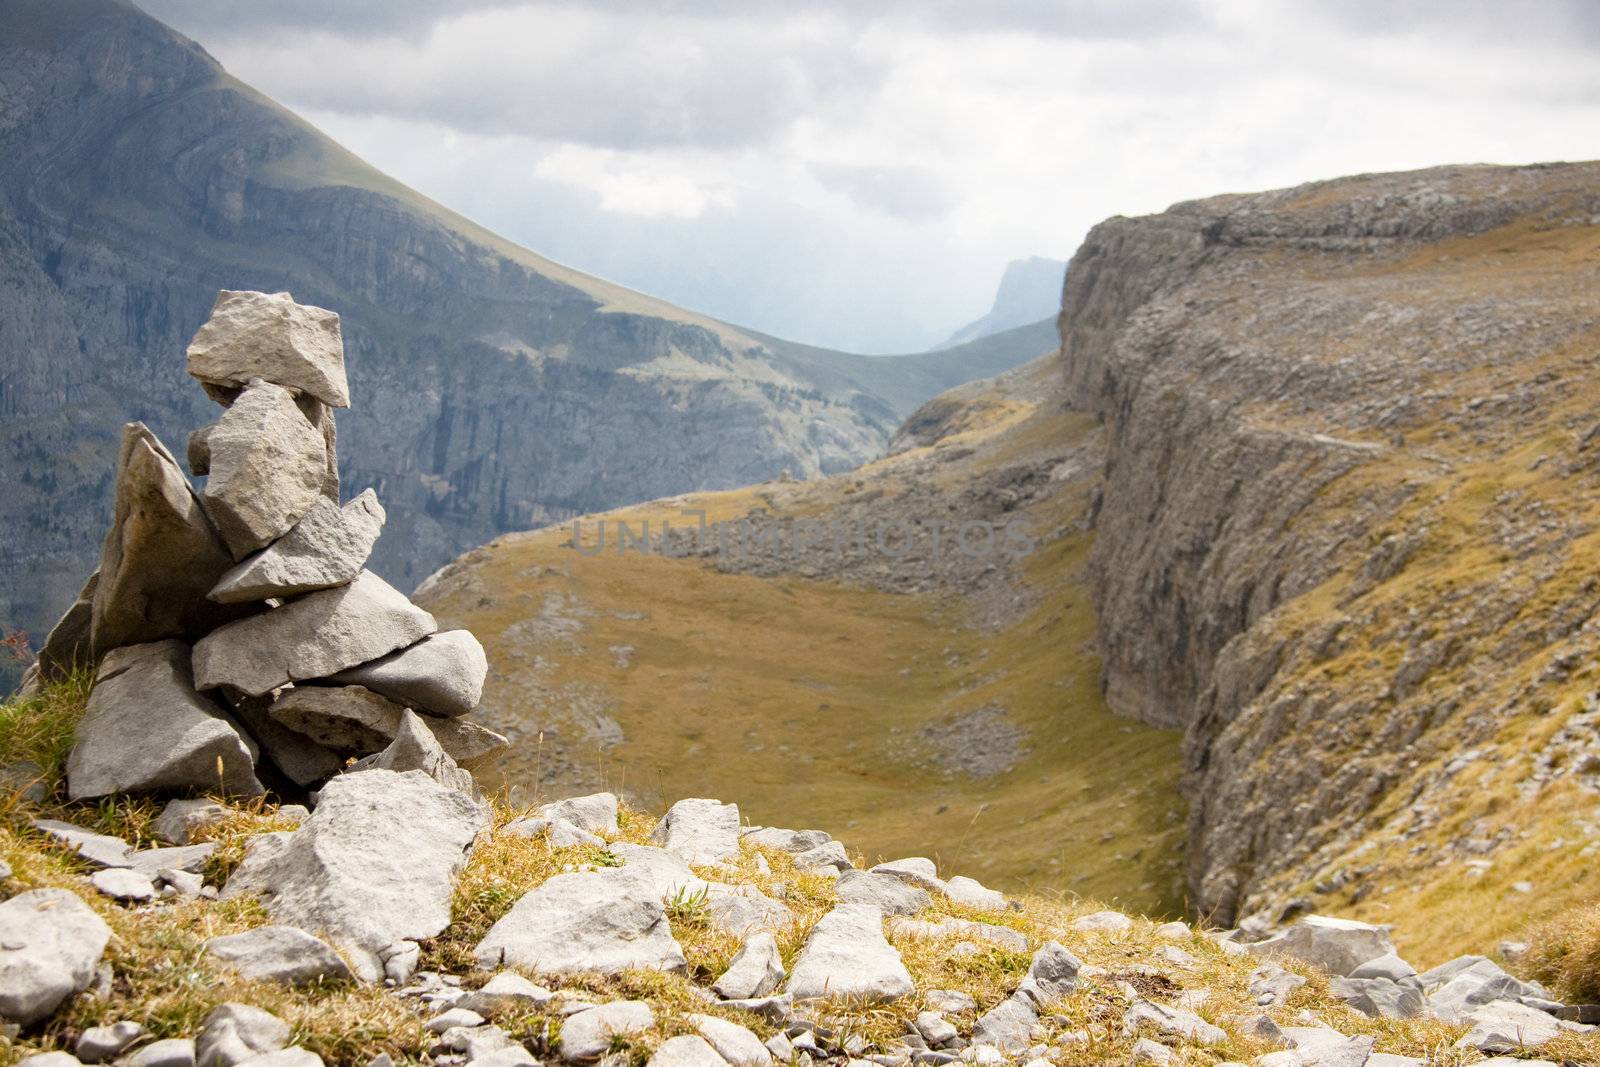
237,639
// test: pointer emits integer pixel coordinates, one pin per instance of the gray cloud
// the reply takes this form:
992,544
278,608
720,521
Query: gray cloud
912,193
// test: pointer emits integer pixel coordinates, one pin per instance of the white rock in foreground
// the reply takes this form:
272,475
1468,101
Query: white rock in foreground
312,637
587,1035
847,955
268,335
590,922
373,865
699,831
50,945
277,954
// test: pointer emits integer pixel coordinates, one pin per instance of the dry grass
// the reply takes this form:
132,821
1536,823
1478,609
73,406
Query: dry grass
1564,953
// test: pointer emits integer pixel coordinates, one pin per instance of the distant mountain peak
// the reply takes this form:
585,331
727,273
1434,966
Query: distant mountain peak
1030,290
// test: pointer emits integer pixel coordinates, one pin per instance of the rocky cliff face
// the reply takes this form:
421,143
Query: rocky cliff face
1348,496
497,390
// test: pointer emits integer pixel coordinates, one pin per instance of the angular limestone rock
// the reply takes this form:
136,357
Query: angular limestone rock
234,1033
373,865
847,955
160,556
69,644
50,945
755,970
415,749
1338,946
267,465
180,820
312,637
442,675
147,729
269,336
591,922
699,831
887,893
327,547
320,416
277,954
596,813
588,1034
300,759
352,718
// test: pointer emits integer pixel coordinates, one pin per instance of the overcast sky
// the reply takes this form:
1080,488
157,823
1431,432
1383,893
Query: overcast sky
857,174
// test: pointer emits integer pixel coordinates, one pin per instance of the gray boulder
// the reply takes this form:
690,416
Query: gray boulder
1052,974
974,894
591,922
124,883
169,1052
734,1043
1338,946
98,1044
1004,936
147,729
414,748
352,718
1455,989
374,864
823,858
1103,922
755,970
300,759
596,813
686,1050
277,954
268,335
97,850
914,870
234,1033
588,1034
1506,1026
311,637
328,546
181,819
699,831
791,841
846,955
666,874
885,892
1008,1026
1172,1021
50,946
741,910
1380,997
267,464
442,675
160,555
70,646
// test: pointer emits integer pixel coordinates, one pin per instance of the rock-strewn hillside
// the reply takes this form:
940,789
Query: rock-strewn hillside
1346,533
495,389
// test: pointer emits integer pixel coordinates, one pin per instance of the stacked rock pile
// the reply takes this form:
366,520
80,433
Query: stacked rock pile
236,636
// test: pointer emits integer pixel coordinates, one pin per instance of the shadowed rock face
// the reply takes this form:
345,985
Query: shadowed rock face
492,389
1313,390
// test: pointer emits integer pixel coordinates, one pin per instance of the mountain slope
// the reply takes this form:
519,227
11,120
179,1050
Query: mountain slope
497,389
1029,291
833,642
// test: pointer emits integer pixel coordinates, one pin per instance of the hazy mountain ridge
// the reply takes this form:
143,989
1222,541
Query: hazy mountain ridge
1028,292
499,390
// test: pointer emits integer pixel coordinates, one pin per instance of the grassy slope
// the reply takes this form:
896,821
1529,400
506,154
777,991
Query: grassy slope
1469,481
800,699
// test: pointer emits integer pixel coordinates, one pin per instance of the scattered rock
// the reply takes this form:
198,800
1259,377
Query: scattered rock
1506,1026
98,850
26,779
147,729
734,1043
950,1001
123,883
1380,997
830,856
699,831
181,819
755,971
1008,1026
170,1052
268,335
591,922
311,637
667,875
974,894
50,945
1174,1022
414,748
915,870
374,864
1147,1051
234,1033
328,547
596,813
352,718
278,954
98,1044
1105,922
1004,936
846,955
1174,931
588,1034
442,674
888,894
1338,946
159,557
791,841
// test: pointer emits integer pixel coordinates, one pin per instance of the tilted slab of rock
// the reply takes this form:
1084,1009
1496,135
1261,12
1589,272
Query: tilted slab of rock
267,465
744,909
297,757
277,954
69,645
667,875
846,955
160,556
311,637
442,675
887,893
755,970
181,819
699,831
736,1044
235,1033
415,749
373,865
97,850
591,922
50,945
269,336
588,1034
320,416
352,718
147,729
914,870
328,546
1338,946
792,841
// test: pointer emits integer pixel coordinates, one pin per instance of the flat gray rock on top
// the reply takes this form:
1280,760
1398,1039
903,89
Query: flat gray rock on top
699,831
98,850
352,718
268,335
52,945
147,729
442,674
589,922
267,464
328,546
846,955
311,637
915,870
374,864
160,555
277,954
